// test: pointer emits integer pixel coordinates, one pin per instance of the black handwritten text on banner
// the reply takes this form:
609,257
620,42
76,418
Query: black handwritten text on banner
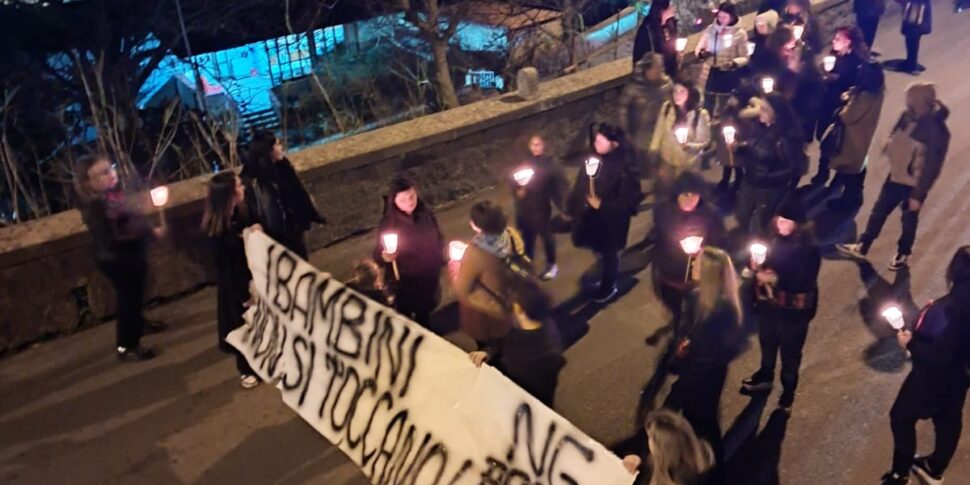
405,405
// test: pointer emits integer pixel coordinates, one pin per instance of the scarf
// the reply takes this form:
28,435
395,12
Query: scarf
499,245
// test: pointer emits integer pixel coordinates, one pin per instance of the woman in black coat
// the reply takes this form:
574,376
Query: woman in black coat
658,33
602,205
850,52
685,214
787,299
420,253
226,215
917,22
281,202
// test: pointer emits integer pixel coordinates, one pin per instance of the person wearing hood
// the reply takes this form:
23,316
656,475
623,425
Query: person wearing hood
850,51
535,194
658,33
724,48
915,154
639,105
604,199
859,117
486,275
686,213
419,256
769,152
682,111
283,206
936,386
786,288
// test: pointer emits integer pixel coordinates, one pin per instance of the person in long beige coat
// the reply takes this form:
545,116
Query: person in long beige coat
860,116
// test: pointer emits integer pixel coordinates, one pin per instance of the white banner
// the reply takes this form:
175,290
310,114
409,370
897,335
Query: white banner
405,405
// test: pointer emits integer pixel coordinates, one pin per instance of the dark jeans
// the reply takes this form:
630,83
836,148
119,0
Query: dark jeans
529,235
611,270
868,25
726,177
783,330
757,206
916,402
673,299
891,196
912,51
851,183
127,276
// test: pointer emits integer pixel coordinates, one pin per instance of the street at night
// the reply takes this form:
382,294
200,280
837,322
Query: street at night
70,413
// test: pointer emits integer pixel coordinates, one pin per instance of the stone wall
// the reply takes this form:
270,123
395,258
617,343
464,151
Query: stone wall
49,285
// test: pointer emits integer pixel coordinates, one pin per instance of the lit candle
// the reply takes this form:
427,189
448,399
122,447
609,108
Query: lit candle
456,250
828,63
895,317
729,134
523,176
592,166
390,242
681,44
798,30
751,47
691,244
681,133
768,85
159,196
759,253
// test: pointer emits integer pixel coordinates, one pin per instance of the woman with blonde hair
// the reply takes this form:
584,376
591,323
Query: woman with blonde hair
677,455
706,344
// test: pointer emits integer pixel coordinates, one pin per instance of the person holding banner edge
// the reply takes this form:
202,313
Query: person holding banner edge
226,215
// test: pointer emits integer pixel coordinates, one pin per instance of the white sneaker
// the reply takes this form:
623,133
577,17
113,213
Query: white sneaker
550,273
855,251
248,382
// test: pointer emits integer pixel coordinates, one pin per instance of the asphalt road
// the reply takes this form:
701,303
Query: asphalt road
69,412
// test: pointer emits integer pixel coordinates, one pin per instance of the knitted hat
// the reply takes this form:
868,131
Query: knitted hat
689,182
769,18
793,209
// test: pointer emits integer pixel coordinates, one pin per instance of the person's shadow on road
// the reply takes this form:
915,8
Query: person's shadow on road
756,462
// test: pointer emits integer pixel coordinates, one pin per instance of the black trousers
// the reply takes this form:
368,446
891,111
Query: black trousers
417,309
912,50
127,276
868,25
242,365
785,331
891,196
529,235
918,399
756,206
611,270
673,298
851,183
726,177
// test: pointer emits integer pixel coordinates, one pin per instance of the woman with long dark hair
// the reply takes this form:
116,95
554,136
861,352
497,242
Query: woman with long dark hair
603,201
280,201
658,33
859,117
419,256
850,51
683,111
787,298
706,343
121,236
226,215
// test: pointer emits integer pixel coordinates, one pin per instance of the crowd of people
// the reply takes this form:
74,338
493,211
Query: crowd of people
750,103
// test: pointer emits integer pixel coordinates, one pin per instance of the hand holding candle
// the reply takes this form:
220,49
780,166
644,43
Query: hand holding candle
691,244
894,316
729,134
828,63
456,250
523,176
768,85
759,253
681,44
681,133
592,169
390,241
